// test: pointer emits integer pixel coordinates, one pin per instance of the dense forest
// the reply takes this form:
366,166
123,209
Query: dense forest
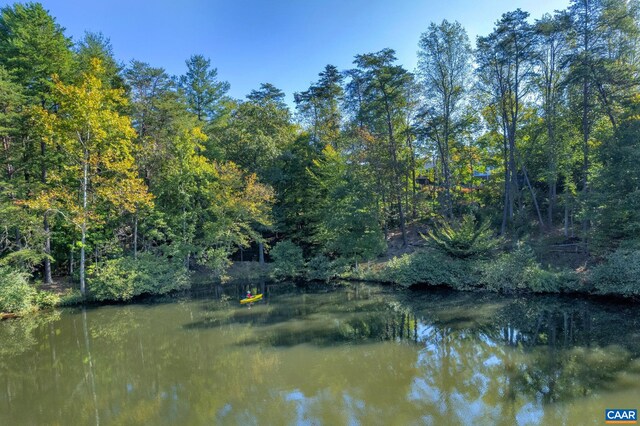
125,180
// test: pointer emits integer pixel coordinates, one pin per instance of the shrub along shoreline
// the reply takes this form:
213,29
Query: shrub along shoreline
471,262
514,272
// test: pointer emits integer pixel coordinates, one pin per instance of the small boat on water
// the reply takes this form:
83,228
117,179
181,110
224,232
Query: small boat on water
251,299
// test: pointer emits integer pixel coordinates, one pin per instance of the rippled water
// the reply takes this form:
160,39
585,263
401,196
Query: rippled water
354,354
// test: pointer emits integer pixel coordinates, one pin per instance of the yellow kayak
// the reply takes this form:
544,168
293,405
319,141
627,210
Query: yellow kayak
251,299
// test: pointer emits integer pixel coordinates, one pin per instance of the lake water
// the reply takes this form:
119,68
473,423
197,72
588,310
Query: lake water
347,355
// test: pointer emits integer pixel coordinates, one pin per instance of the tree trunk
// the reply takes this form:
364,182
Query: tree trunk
396,172
384,209
82,261
91,375
552,201
443,150
398,190
402,221
135,237
413,176
407,204
571,224
585,144
47,279
507,187
533,196
184,236
261,253
83,240
566,220
515,189
9,167
446,160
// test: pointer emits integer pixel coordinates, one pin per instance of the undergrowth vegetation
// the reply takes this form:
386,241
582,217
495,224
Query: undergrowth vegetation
18,296
618,274
124,278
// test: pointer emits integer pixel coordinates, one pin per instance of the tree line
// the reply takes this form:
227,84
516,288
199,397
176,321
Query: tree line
532,130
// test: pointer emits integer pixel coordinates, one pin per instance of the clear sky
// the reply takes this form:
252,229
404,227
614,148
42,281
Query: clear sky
284,42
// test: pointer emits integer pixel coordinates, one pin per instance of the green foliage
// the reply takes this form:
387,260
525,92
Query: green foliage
33,46
125,278
616,201
320,268
297,204
241,272
19,337
24,259
429,267
346,220
71,298
215,259
11,98
379,94
319,107
519,271
464,239
46,299
16,295
444,67
96,45
288,261
618,274
204,93
516,271
172,166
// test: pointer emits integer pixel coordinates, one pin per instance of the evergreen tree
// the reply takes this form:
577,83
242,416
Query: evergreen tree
319,107
202,89
378,91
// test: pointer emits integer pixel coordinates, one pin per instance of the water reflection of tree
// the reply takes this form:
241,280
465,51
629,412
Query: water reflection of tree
362,355
539,350
19,338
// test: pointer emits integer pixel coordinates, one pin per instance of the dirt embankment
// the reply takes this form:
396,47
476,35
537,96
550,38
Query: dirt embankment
395,244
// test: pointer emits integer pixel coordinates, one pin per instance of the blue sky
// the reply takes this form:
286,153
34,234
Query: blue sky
284,42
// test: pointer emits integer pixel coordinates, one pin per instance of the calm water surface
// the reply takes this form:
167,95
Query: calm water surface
351,355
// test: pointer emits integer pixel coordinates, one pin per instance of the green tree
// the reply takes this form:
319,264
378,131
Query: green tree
615,192
255,136
202,89
11,155
297,202
208,207
97,46
268,94
603,35
319,107
550,71
444,70
157,112
504,65
378,92
33,48
97,142
347,223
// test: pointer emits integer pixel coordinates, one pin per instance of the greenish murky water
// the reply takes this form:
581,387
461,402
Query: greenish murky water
353,355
